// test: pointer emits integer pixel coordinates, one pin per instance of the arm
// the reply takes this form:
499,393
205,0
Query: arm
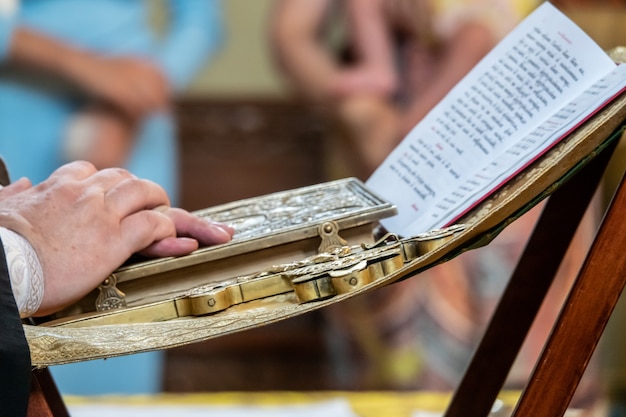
294,37
134,86
313,68
107,216
375,71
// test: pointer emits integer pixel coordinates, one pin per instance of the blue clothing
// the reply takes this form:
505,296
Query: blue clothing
35,112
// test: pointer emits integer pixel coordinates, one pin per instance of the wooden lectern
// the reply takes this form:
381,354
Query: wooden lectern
576,331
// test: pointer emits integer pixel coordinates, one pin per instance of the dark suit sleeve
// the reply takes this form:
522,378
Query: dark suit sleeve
15,366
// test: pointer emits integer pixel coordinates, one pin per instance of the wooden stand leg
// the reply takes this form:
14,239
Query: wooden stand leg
524,293
45,399
582,320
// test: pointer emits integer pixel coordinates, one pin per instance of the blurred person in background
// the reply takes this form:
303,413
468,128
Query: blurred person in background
386,66
381,65
95,80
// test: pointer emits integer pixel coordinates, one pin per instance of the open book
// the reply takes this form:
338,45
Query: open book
534,88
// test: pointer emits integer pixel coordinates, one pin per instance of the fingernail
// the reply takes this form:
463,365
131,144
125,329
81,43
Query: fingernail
224,226
220,233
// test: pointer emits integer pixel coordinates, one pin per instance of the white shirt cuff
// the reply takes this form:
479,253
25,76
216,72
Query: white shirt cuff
25,272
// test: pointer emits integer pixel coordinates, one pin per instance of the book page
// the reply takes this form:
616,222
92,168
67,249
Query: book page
511,161
479,133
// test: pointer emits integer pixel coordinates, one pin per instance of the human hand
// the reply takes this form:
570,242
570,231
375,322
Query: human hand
135,86
191,232
84,223
364,81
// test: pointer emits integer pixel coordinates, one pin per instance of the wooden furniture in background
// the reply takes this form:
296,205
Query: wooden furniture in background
234,149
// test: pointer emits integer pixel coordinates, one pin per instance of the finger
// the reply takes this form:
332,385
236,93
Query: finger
204,231
108,178
75,170
128,105
143,228
124,97
132,195
171,247
16,187
152,96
